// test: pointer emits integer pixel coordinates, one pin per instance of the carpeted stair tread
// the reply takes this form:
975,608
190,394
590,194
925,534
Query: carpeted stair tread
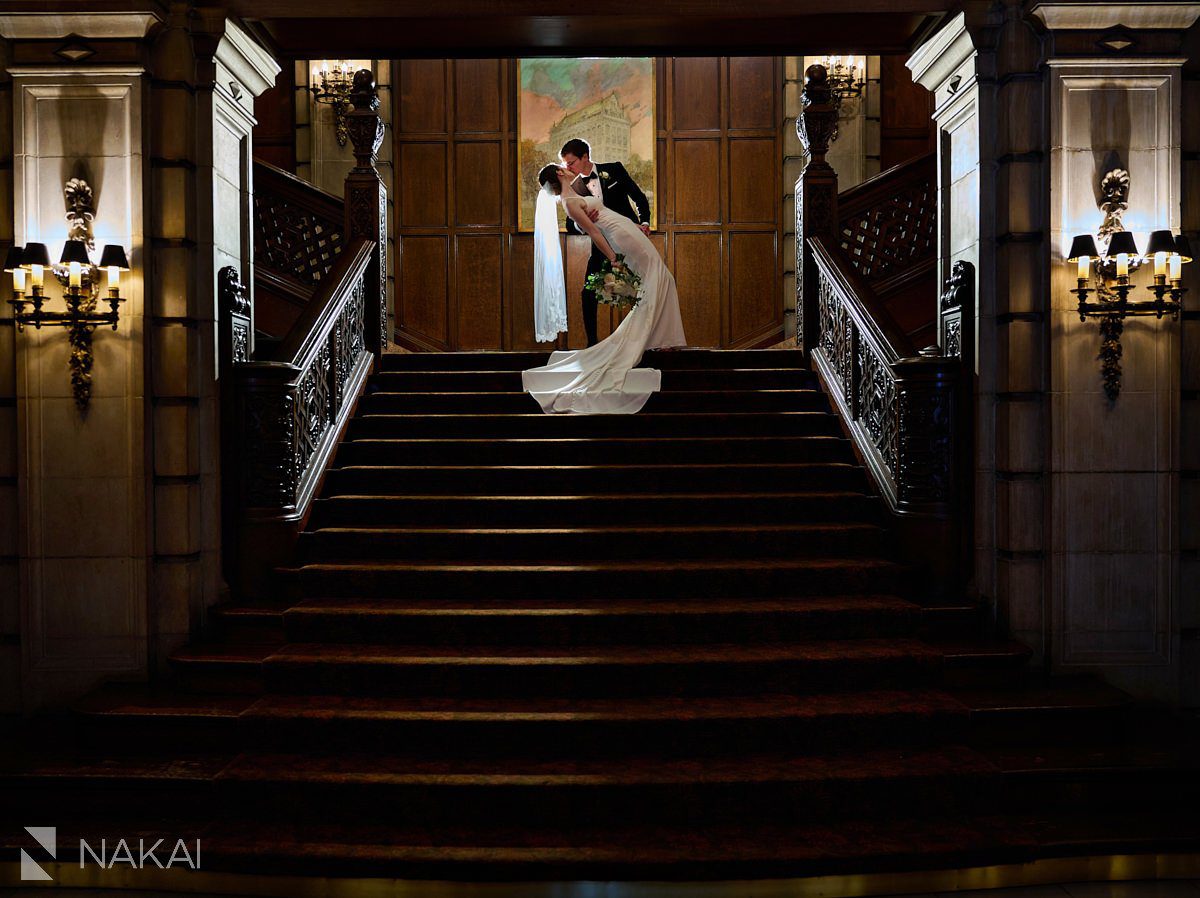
906,703
789,565
126,699
673,380
516,544
617,770
534,607
518,361
645,426
474,451
1052,696
519,402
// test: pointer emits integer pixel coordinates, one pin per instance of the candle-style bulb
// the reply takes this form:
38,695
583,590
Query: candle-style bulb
19,280
75,276
1175,263
1085,265
1160,264
114,277
35,276
1122,265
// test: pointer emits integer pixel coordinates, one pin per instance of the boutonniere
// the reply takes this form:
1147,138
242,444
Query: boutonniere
604,176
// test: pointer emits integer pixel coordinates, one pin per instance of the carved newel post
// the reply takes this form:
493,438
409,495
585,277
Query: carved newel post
816,196
366,202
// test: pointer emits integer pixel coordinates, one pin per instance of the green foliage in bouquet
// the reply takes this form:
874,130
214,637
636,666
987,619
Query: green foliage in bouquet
616,284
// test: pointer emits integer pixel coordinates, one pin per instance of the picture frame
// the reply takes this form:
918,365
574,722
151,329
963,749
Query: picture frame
608,101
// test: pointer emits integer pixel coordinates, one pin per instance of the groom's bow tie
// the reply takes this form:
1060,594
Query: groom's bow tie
590,177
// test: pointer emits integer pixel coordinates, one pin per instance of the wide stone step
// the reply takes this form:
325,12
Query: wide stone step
541,480
519,361
682,379
612,671
596,509
647,425
567,621
378,544
731,577
436,402
605,451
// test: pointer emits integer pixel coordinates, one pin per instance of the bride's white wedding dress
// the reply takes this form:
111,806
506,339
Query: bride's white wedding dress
601,379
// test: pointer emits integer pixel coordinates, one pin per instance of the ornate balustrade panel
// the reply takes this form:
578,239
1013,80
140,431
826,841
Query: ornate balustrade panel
298,228
293,405
887,225
899,406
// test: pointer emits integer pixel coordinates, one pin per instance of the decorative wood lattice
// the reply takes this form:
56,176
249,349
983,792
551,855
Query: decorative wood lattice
294,241
899,232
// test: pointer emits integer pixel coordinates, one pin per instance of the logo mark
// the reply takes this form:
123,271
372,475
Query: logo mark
45,835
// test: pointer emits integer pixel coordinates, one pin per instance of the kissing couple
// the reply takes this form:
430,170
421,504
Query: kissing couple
601,201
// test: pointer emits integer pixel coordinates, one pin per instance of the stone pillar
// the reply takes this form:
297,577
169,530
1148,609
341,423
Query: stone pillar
1077,500
1114,88
81,478
960,75
118,513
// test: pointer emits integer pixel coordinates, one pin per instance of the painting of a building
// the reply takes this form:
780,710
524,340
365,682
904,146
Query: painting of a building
604,125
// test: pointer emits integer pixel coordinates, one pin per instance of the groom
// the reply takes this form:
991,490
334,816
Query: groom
610,182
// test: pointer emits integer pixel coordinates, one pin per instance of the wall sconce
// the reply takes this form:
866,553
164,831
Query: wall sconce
1112,305
846,78
332,87
81,291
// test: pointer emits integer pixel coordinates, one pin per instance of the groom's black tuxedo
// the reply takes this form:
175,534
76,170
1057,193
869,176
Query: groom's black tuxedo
622,195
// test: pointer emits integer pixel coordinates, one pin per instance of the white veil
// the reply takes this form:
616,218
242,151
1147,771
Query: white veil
549,287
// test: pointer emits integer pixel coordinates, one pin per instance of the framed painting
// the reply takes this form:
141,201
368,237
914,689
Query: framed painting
609,102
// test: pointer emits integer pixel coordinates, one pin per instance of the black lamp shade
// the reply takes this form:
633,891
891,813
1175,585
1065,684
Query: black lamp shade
13,260
1083,245
1122,242
1184,248
113,256
74,251
35,254
1160,242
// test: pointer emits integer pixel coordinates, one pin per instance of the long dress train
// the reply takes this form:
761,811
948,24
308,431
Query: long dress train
602,379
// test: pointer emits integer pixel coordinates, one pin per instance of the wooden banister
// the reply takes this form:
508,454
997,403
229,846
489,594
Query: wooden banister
284,408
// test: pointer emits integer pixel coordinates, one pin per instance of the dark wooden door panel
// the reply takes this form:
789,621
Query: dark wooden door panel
479,291
423,184
423,300
421,97
752,92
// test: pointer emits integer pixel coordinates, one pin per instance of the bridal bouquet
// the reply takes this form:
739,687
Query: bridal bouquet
616,284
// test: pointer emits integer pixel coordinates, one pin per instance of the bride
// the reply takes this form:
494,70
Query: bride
600,379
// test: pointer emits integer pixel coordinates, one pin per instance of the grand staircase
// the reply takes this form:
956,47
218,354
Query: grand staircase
674,645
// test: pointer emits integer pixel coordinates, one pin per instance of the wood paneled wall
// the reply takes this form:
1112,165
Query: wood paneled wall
464,272
906,128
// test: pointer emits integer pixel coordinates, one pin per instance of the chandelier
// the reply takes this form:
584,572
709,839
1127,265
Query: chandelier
846,77
332,85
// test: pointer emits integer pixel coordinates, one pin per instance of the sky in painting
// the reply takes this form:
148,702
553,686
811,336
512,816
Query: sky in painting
550,88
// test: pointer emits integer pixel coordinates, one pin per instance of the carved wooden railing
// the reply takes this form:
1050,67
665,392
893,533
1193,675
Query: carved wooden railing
298,231
900,405
292,405
907,411
285,405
